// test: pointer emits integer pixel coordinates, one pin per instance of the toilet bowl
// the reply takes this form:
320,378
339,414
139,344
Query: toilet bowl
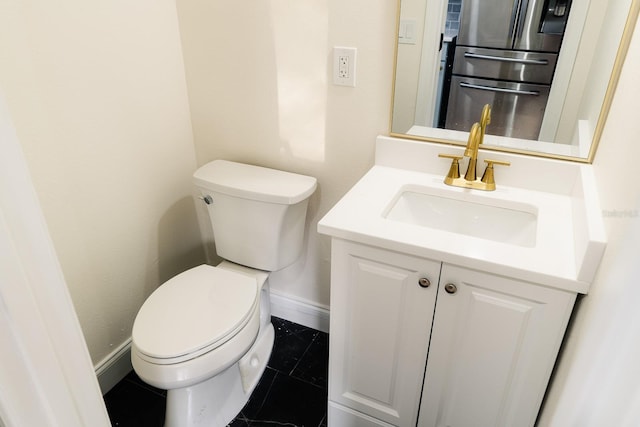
200,332
205,335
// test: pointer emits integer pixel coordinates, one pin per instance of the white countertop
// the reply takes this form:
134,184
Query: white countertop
568,241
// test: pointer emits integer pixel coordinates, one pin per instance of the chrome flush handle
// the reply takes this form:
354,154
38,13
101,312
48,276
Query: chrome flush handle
207,199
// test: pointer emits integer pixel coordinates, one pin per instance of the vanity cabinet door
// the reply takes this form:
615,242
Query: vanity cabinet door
493,347
381,315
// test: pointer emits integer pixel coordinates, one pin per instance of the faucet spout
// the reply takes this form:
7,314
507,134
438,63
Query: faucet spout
474,141
485,119
476,138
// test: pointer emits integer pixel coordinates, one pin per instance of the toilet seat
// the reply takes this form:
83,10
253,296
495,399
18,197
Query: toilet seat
194,313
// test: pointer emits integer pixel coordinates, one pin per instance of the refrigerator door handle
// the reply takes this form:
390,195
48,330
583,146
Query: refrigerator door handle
499,89
505,59
515,14
521,22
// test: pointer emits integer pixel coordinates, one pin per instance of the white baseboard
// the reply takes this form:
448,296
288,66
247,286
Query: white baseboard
302,313
113,368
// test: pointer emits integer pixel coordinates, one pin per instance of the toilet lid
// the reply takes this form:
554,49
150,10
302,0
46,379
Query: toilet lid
194,312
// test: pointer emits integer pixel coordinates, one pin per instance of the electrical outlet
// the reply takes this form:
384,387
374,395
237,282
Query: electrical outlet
344,66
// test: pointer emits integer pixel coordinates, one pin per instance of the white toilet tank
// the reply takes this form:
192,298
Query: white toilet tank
257,214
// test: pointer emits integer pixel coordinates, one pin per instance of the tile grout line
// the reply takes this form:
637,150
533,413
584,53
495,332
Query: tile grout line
264,399
291,374
306,350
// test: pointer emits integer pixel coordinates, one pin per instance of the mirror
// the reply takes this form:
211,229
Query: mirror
446,60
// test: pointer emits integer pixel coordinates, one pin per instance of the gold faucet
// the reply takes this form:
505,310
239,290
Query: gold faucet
476,138
485,119
474,141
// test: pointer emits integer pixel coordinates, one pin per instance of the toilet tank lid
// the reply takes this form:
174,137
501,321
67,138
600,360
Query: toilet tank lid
254,182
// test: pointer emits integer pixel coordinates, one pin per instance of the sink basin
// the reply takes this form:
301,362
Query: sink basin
490,219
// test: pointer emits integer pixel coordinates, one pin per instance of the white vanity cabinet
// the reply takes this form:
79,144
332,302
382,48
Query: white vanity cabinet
470,350
381,314
477,347
493,347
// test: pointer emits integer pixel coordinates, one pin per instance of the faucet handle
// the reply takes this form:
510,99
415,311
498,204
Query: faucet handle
454,170
450,156
488,177
491,162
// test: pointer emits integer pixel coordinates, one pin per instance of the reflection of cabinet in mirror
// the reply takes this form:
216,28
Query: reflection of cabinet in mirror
461,348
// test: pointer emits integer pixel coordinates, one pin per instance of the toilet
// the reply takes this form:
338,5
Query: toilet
205,335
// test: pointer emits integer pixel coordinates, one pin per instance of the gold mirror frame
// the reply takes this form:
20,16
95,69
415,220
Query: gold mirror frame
614,77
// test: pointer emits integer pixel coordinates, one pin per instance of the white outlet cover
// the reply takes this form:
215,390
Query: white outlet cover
344,74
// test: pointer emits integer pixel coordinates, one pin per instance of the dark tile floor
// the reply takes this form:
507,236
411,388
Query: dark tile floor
292,392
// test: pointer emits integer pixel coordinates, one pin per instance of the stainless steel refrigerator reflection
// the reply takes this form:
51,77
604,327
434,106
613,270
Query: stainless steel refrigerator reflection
506,53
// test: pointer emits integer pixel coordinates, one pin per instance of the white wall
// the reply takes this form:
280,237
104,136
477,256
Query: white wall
597,380
408,69
97,94
259,90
